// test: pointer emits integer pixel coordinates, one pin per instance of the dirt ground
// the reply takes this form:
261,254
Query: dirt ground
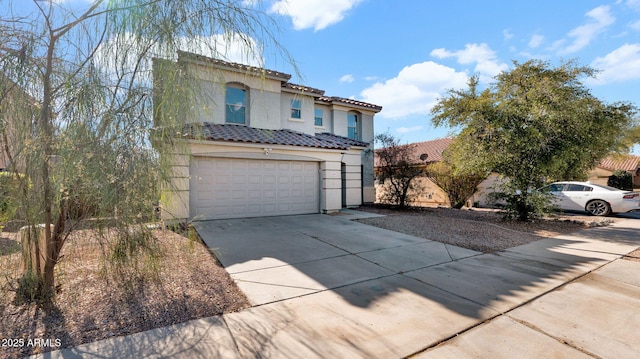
90,305
482,230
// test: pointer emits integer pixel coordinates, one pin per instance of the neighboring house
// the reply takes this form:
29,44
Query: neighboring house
427,193
273,148
424,191
600,174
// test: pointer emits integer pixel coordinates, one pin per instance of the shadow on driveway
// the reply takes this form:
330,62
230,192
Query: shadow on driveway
278,258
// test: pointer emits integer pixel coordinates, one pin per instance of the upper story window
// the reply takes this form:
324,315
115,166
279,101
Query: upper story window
236,104
296,109
353,125
317,118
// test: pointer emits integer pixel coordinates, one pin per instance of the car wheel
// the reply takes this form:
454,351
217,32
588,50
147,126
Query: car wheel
598,207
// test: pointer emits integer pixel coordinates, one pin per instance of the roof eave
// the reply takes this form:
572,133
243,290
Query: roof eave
233,67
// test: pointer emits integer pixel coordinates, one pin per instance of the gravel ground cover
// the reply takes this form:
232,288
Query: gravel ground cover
91,306
482,230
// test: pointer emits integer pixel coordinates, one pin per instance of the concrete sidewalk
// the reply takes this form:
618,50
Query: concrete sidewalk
337,294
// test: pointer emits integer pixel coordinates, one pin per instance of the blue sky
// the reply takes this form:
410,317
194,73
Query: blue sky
403,54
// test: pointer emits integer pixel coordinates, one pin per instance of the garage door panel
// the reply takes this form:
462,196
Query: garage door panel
283,193
231,188
254,179
283,179
283,166
254,194
255,165
268,179
219,165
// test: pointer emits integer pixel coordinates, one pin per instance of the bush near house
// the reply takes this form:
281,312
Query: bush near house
621,179
396,170
458,186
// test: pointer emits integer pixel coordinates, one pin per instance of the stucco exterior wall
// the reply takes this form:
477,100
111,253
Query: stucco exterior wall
263,97
426,193
353,178
327,119
340,122
599,176
303,124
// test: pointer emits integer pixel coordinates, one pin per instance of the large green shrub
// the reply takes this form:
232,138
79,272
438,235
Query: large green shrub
523,205
621,179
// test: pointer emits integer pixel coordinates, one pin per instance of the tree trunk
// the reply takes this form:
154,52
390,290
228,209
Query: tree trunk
37,264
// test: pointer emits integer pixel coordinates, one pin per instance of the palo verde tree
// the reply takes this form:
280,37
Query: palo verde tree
535,123
76,112
396,169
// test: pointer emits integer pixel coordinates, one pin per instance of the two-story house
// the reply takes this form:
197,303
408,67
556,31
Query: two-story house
258,145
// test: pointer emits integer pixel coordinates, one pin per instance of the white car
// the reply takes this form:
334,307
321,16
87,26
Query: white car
596,199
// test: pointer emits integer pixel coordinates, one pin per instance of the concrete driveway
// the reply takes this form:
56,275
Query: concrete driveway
325,287
278,258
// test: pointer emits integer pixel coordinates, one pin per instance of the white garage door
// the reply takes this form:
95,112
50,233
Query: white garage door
236,188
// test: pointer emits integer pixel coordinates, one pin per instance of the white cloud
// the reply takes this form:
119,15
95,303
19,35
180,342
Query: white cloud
346,79
409,129
487,64
600,19
228,47
635,25
536,41
415,90
316,14
507,34
633,4
118,56
621,64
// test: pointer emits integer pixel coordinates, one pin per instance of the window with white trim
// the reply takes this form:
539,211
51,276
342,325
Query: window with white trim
235,104
353,125
296,108
317,118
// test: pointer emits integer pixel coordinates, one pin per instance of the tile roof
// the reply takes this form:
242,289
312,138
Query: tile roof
628,163
349,101
301,88
240,133
232,65
433,149
427,151
341,139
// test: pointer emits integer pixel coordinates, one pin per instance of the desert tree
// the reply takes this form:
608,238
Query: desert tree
534,123
396,169
79,139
